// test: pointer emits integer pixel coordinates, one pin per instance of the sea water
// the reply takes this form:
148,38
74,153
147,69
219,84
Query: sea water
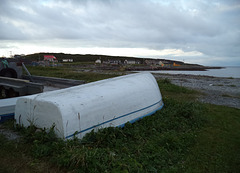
233,72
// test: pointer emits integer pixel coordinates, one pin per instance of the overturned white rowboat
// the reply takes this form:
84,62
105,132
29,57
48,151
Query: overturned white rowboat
7,109
79,110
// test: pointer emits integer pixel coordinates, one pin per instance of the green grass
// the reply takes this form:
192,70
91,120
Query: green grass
218,85
185,136
226,85
78,63
16,156
218,144
170,90
230,96
68,73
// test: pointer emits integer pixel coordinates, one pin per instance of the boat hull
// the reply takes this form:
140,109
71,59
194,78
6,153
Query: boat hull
78,110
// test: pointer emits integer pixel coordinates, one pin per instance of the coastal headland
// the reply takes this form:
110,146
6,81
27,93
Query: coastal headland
106,62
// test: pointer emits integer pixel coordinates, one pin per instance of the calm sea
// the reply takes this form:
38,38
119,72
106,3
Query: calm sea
224,72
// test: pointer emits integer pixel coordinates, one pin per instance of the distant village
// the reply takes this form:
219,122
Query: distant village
50,59
146,62
103,62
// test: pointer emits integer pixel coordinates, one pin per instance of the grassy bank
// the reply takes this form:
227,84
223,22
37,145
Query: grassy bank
185,136
68,73
218,144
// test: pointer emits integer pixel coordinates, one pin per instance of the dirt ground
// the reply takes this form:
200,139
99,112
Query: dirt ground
9,134
216,90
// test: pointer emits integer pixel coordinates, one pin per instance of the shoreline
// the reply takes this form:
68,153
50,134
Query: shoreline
148,68
216,90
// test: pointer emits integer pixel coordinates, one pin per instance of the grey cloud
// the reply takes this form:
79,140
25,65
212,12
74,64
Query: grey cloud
8,31
208,27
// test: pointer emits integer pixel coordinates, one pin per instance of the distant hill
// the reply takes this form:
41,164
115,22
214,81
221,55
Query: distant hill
78,57
93,58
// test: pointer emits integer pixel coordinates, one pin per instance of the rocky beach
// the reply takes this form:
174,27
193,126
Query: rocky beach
215,90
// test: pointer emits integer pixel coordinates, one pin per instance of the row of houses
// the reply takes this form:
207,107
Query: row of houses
117,62
52,58
149,62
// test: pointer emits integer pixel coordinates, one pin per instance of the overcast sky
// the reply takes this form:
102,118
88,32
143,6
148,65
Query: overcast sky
196,31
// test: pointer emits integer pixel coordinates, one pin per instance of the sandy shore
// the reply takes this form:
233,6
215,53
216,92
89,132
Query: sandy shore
219,91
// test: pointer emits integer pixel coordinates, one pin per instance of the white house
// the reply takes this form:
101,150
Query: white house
98,61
